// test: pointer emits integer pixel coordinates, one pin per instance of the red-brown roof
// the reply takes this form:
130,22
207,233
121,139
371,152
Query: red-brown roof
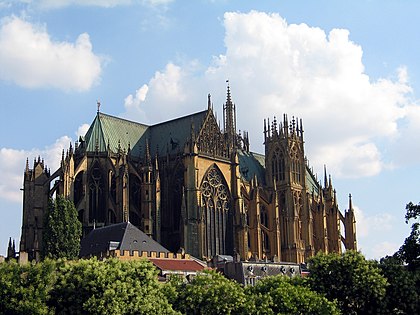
177,264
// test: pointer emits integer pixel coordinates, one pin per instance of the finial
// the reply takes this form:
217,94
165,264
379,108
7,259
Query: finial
98,103
325,177
350,203
228,99
209,101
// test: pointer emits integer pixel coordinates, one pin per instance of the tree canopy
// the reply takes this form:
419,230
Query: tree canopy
409,252
81,287
211,293
282,295
402,296
356,283
62,230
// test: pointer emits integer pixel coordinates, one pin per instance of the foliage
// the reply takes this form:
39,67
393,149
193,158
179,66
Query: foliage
402,297
24,289
211,293
282,295
62,230
409,252
108,287
356,284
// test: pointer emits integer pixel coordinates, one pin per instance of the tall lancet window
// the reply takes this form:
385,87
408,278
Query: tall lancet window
218,221
277,166
295,165
97,211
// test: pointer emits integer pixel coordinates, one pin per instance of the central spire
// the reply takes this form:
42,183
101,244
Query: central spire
229,119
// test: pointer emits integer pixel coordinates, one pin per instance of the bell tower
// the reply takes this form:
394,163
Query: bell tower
286,170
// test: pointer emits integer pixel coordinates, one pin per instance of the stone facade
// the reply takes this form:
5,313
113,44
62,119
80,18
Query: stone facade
194,185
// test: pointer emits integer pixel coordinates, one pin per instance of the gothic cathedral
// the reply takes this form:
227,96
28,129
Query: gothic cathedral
192,184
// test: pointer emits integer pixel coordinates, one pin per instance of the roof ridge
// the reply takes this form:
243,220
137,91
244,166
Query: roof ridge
179,118
123,119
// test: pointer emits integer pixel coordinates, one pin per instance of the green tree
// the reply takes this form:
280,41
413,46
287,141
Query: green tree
409,252
356,283
62,230
24,289
211,293
282,295
108,287
402,297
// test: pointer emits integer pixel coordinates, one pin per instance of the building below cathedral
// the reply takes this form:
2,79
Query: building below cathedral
194,185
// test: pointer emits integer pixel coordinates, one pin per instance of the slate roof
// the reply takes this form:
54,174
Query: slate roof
251,164
120,236
172,135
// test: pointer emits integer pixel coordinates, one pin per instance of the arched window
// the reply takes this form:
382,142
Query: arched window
218,221
264,216
78,188
113,187
266,242
97,210
135,193
295,165
278,166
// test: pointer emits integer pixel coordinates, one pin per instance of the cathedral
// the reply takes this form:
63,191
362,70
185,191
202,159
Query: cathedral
195,186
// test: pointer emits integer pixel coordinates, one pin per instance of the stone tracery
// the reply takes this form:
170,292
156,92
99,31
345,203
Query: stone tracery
216,203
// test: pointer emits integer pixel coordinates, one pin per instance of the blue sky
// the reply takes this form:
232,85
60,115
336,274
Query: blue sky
349,69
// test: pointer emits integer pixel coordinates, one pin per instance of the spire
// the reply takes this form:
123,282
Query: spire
325,177
147,154
209,102
156,163
350,203
229,118
27,165
335,197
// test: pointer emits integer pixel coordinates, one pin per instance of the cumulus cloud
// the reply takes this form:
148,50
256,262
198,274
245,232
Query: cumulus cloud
12,165
372,230
13,161
81,131
275,68
368,225
30,58
168,94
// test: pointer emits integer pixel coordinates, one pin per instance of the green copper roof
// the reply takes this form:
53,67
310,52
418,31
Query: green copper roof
311,183
117,132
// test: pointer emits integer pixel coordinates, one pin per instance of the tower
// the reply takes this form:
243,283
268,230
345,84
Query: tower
35,200
285,166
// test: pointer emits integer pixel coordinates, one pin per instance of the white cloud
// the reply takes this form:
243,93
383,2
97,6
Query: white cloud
29,58
383,249
372,224
167,95
81,131
275,68
12,166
